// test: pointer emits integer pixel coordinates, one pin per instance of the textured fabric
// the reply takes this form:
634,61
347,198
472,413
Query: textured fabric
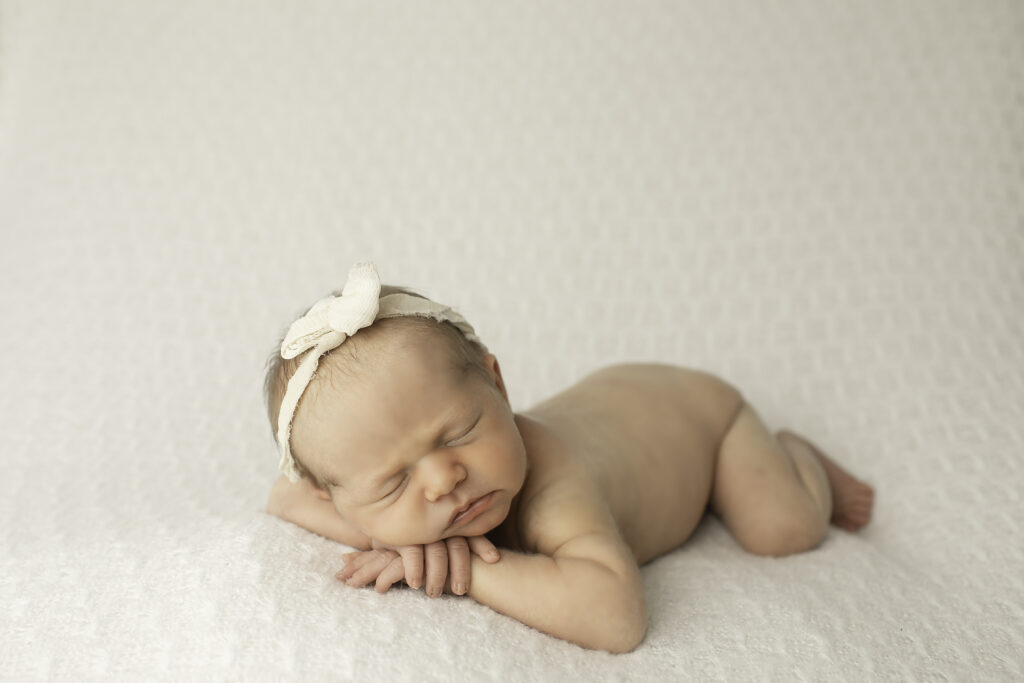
820,202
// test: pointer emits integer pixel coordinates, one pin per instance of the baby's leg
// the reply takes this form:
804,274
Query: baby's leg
852,499
776,495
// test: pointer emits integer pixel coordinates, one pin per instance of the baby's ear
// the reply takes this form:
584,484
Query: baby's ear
492,364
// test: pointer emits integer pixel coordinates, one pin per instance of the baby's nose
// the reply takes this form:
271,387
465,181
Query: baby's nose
441,476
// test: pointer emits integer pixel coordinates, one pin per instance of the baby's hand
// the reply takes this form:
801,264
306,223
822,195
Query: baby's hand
389,564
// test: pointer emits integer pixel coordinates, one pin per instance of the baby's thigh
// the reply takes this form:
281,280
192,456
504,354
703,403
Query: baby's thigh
757,491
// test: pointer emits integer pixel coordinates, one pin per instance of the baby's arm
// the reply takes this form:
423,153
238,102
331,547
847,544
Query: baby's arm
584,587
297,504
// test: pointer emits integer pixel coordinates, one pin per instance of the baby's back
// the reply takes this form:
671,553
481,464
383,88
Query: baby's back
648,434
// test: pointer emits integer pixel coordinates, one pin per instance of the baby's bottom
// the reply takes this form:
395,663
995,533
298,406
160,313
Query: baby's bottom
777,493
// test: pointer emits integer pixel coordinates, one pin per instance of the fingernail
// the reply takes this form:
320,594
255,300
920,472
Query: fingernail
460,588
494,555
434,592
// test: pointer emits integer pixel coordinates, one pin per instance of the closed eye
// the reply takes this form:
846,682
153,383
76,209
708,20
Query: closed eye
467,432
396,489
454,442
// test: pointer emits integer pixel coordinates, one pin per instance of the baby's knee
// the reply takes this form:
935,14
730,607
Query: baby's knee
786,532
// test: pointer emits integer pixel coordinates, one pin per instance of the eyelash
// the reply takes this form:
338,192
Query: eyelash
458,439
400,485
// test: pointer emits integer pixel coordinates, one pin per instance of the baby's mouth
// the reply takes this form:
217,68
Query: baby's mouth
471,510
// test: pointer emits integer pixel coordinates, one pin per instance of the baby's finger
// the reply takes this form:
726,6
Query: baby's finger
345,572
352,565
436,556
357,561
369,571
482,546
392,573
412,559
458,564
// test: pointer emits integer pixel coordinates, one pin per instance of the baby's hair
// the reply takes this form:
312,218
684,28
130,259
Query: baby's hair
466,356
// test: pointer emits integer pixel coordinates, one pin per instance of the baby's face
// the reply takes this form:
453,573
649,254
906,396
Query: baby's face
408,445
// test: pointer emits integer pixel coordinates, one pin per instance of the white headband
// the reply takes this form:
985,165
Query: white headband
334,319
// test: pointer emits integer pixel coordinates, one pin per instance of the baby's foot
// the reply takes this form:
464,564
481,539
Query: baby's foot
852,499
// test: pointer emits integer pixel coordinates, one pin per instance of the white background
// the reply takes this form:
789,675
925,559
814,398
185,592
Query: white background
819,201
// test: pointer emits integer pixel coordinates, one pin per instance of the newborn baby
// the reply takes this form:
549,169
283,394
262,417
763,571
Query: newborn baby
404,444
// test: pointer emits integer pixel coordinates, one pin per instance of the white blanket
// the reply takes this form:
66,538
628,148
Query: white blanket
820,202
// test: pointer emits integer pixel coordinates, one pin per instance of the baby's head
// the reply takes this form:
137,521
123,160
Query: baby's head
402,425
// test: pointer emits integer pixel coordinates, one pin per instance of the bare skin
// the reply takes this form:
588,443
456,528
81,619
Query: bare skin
690,444
851,499
620,469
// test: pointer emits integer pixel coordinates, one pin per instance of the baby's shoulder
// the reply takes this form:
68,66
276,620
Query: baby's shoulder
572,504
562,498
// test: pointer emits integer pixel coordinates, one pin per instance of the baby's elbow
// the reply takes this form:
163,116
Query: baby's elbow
626,640
275,506
280,498
627,630
609,607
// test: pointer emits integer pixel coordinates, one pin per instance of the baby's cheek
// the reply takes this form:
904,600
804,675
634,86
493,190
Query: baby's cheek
390,527
361,521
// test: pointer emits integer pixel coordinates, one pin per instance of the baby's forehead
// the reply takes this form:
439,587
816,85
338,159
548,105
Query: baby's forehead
374,351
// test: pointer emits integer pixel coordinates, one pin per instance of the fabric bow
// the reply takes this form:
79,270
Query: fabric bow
334,318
